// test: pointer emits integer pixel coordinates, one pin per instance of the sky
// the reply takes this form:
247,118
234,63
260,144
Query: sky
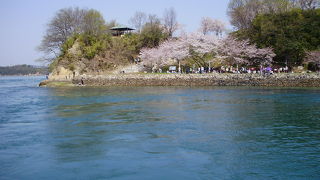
23,22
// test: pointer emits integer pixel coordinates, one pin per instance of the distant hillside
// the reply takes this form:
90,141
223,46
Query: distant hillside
23,70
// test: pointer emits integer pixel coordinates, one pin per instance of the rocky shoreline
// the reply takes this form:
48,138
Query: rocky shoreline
214,79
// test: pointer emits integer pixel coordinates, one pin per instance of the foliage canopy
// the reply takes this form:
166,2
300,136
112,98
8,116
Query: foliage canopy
291,34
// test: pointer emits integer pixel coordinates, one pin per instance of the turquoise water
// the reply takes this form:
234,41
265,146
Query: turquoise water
157,132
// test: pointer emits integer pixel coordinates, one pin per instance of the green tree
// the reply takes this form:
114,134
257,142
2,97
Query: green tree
152,34
92,45
66,25
290,34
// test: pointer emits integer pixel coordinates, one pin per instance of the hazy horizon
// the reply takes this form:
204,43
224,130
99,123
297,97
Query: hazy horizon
24,23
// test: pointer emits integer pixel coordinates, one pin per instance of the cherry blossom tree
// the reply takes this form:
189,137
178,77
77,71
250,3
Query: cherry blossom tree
175,50
241,52
201,43
167,53
196,46
313,57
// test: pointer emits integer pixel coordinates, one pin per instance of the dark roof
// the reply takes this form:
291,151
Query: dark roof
122,29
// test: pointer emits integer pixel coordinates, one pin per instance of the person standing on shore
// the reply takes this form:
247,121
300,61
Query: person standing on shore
286,69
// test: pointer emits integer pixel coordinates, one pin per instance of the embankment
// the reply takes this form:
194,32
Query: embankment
276,80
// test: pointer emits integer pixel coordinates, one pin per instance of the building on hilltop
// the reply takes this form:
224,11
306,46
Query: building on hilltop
119,31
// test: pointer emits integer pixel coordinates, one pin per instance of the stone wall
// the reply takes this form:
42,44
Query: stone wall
277,80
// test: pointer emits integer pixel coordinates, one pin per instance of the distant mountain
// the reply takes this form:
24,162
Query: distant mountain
23,70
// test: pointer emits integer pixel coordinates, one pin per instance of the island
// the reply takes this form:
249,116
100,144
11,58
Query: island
93,52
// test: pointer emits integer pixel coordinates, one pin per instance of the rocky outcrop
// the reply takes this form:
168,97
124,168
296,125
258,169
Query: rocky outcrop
61,74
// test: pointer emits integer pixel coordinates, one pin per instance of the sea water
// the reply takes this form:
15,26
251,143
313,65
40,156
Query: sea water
157,132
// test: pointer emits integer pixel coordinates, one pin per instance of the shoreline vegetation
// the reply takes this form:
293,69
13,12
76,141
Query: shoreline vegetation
271,37
210,79
23,70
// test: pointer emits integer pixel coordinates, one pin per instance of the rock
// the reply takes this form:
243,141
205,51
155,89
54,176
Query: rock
61,74
43,83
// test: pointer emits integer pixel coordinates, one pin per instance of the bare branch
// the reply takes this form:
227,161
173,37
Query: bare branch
170,21
138,20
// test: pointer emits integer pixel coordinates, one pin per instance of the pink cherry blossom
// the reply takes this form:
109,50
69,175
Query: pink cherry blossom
229,49
241,52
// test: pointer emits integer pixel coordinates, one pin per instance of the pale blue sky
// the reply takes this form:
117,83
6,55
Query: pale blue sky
23,22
